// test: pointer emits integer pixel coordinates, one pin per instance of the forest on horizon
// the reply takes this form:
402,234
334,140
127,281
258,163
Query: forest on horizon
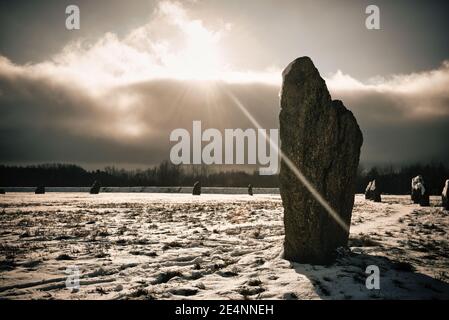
392,180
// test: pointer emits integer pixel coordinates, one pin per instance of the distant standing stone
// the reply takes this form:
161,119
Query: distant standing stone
368,191
425,199
250,190
39,190
420,194
445,195
322,138
196,188
375,192
95,189
417,185
2,191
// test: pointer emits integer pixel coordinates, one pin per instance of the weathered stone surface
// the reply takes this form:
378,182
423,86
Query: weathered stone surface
420,194
425,199
368,195
196,188
322,138
39,190
250,190
417,188
375,191
445,195
95,189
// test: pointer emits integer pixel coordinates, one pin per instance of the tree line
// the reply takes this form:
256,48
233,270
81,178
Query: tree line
392,180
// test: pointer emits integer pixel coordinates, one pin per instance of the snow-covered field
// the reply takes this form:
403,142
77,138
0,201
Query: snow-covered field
176,246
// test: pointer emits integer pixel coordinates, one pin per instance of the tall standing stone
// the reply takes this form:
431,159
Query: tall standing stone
368,195
95,188
40,190
425,199
375,191
323,140
420,194
417,189
196,189
445,195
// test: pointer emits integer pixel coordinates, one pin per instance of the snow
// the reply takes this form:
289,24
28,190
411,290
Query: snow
212,190
213,246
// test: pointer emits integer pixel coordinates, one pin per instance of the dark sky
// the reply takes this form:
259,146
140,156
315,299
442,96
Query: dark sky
111,92
413,35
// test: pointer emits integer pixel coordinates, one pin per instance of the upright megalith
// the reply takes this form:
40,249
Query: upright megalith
445,195
2,191
40,190
419,192
425,199
323,140
417,187
368,195
250,189
196,189
375,192
95,189
372,191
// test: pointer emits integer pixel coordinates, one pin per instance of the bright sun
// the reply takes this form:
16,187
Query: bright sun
201,57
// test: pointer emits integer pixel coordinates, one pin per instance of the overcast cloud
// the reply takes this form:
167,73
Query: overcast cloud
115,99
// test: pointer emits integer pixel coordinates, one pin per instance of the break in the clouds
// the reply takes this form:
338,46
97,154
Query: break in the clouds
116,99
172,45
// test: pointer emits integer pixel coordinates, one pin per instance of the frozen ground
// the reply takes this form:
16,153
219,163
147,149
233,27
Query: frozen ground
175,246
